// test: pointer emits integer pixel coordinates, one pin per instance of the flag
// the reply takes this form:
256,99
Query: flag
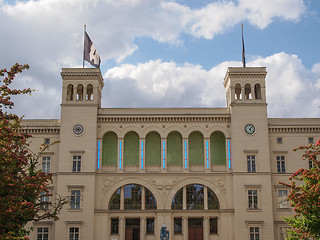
90,52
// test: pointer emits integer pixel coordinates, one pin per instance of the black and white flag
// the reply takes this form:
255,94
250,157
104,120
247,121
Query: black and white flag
90,52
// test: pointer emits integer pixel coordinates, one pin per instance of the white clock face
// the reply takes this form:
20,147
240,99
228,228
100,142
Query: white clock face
249,129
78,129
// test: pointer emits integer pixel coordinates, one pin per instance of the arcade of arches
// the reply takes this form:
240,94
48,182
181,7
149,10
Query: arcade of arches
155,153
188,207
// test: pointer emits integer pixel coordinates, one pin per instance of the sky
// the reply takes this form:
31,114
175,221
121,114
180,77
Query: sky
164,53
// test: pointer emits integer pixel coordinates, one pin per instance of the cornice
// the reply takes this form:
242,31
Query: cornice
296,129
163,119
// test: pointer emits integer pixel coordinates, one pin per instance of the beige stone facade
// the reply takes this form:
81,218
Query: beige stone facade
207,173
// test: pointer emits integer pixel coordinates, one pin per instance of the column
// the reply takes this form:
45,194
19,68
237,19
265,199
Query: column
122,198
206,228
205,197
185,228
142,228
122,228
143,198
184,197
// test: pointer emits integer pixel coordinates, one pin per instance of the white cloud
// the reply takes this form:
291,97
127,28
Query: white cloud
47,34
291,88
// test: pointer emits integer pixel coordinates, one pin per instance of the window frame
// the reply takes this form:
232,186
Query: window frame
281,164
151,232
279,140
72,235
279,200
114,229
253,199
255,233
42,233
76,163
177,230
213,228
46,164
251,163
75,198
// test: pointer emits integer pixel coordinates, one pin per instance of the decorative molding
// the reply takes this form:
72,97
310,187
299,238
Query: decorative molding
40,130
280,152
294,129
77,151
250,151
162,119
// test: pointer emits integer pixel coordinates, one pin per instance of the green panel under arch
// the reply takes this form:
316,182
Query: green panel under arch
110,149
196,152
131,149
174,149
218,148
153,149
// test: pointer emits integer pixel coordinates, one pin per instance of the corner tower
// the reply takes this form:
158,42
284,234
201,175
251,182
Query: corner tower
246,98
77,164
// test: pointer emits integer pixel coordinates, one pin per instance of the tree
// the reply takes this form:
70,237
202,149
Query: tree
22,184
305,197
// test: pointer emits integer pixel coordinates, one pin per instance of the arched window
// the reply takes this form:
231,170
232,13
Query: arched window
195,198
131,149
114,202
133,194
174,149
257,91
237,90
218,148
110,149
70,92
196,150
153,149
213,202
80,92
247,91
89,95
177,200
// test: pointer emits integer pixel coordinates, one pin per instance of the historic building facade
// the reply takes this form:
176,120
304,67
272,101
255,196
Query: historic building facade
207,173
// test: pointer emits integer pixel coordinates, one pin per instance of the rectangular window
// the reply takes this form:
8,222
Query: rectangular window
282,199
46,164
254,233
47,141
311,164
150,225
76,166
44,200
120,155
253,199
74,233
75,199
142,154
177,225
251,163
281,168
213,225
207,153
43,233
279,140
114,226
310,140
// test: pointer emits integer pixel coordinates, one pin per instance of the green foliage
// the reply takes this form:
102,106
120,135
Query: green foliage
305,197
21,181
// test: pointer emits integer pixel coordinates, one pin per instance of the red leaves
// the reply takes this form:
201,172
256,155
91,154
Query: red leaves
305,198
21,182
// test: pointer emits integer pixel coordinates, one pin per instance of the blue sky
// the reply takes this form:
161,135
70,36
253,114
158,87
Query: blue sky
169,53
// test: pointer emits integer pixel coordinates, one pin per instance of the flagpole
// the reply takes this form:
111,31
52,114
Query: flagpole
243,51
84,37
